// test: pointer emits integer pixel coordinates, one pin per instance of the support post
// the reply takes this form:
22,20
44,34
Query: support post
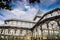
48,31
41,32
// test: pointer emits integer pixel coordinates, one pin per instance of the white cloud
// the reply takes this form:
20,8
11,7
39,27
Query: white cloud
27,15
1,22
27,7
6,14
18,12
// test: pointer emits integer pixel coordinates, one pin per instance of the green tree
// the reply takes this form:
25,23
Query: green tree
33,1
4,4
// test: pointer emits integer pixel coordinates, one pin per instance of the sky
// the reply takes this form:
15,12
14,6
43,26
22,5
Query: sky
24,10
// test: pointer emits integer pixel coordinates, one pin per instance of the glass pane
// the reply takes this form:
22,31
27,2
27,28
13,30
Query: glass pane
44,26
45,33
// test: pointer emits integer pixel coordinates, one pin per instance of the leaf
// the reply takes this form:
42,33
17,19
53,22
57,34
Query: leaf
3,6
33,1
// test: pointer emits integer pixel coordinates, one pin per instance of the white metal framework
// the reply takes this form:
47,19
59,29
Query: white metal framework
47,28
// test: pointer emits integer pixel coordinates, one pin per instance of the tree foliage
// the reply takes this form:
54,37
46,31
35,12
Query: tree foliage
33,1
4,4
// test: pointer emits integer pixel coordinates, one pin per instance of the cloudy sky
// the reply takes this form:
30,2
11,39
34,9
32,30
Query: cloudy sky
24,10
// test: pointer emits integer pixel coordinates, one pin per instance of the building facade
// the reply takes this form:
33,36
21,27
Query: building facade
47,28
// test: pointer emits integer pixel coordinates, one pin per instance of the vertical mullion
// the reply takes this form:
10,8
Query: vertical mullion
41,32
48,31
58,26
